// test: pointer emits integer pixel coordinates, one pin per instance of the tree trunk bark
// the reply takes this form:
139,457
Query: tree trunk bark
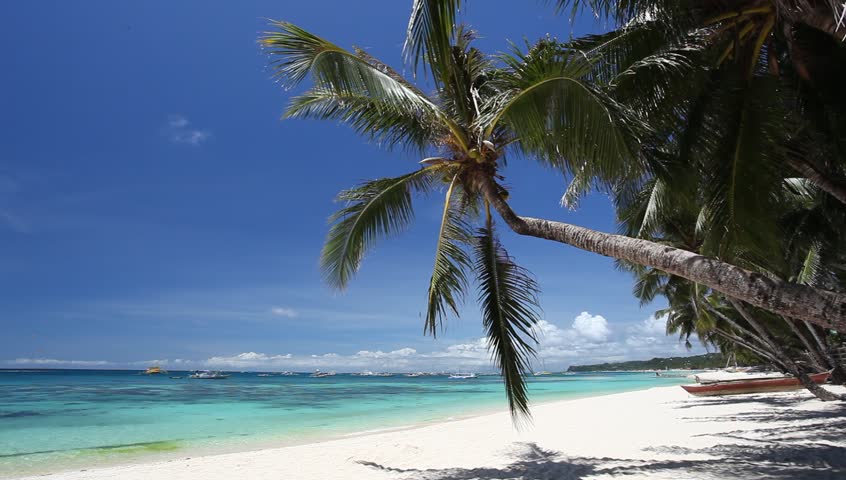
813,351
792,367
824,182
820,307
762,344
752,348
838,374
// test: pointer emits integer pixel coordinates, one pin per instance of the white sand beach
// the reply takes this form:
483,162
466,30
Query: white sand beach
656,433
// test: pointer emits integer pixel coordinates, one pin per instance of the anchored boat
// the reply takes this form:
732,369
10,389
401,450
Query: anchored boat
209,375
752,385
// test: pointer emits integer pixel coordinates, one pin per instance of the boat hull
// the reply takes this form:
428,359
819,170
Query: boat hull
761,385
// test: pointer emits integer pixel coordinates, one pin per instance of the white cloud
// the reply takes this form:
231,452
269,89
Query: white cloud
53,362
592,327
179,130
13,222
284,312
589,339
245,360
652,326
177,121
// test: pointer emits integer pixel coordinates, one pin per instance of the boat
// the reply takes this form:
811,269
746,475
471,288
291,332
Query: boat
415,374
751,385
287,373
264,375
383,374
155,370
722,376
319,374
366,373
462,376
176,378
542,371
208,375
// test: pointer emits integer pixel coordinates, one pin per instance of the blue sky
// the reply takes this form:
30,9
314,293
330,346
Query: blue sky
153,206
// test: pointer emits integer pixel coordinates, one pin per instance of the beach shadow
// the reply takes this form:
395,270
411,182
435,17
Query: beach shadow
788,444
774,401
532,463
741,461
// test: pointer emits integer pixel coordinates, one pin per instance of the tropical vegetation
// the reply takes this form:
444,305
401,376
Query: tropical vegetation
717,129
693,362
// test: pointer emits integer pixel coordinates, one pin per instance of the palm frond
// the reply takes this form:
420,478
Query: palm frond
387,123
580,185
296,54
378,208
448,282
742,177
508,296
649,285
429,35
625,12
617,51
811,267
558,116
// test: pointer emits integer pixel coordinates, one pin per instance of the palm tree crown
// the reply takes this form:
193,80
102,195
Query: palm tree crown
538,104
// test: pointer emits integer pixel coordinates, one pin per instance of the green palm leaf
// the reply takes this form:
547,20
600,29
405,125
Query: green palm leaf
742,178
558,116
448,282
430,32
378,208
509,299
297,54
388,123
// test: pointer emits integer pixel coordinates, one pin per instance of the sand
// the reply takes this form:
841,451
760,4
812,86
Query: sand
656,433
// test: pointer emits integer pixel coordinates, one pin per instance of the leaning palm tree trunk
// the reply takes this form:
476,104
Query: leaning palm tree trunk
813,350
820,307
792,368
757,350
824,182
838,374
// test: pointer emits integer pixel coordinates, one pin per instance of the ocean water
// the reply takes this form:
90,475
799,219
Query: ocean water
55,420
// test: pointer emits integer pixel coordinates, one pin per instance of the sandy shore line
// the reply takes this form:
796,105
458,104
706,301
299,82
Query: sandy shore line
656,433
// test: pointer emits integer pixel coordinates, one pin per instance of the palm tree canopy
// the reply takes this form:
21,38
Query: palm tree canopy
483,108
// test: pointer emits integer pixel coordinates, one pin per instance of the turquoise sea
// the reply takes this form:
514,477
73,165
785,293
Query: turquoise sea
54,420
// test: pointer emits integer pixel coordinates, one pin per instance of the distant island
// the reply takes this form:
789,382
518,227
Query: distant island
696,362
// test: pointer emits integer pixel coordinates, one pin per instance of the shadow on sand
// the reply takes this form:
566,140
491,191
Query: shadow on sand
802,446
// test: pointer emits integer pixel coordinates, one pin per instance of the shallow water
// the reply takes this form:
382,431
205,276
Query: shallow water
54,420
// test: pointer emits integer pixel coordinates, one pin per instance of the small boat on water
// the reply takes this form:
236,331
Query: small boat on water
264,375
154,370
751,385
462,376
319,374
208,375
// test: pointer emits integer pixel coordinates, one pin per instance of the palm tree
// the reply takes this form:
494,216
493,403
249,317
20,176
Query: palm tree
624,56
695,310
545,103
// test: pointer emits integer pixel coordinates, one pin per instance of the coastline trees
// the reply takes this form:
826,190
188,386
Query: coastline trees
613,109
720,117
